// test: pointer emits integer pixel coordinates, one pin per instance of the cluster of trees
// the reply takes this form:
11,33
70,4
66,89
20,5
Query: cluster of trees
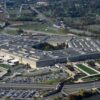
67,8
82,94
78,14
72,8
79,96
86,11
47,46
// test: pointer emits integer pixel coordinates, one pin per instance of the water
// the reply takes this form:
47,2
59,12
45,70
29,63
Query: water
96,97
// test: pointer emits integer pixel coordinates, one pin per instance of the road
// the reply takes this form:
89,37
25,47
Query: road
42,16
77,87
26,86
71,88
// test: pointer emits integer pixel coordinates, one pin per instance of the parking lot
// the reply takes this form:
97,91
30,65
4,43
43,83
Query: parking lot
18,93
37,76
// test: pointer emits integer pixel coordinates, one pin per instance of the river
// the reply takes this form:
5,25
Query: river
96,97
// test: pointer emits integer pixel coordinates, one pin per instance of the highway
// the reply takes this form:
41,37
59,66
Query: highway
77,87
71,88
26,86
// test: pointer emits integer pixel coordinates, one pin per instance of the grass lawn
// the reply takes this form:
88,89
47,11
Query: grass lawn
39,27
12,32
91,78
86,69
5,66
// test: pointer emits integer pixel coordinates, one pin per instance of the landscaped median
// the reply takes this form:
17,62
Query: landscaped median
86,69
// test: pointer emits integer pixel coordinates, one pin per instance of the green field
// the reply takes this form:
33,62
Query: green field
91,78
5,66
12,32
86,69
39,27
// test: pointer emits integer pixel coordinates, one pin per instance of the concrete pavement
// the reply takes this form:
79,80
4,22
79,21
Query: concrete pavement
26,86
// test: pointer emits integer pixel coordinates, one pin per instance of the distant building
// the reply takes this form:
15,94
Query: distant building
42,3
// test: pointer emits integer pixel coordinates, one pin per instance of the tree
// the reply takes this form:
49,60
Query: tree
71,97
19,31
81,92
57,98
6,98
